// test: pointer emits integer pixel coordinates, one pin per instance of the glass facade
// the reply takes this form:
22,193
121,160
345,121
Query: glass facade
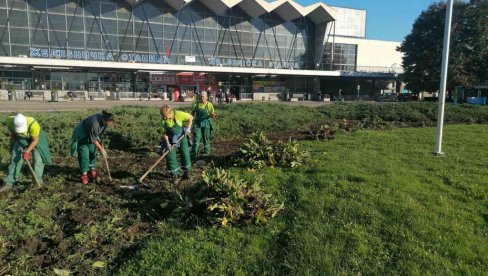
340,56
152,32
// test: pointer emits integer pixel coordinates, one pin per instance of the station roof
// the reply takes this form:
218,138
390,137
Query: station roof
287,9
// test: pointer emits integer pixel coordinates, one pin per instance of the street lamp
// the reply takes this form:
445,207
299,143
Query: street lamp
443,84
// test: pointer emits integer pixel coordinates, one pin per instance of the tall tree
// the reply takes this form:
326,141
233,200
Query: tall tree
476,38
422,48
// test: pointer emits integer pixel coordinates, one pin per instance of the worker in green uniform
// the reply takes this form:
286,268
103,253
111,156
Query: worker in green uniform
204,112
27,138
86,141
174,125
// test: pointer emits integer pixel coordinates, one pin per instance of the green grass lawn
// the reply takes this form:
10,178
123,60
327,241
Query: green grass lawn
370,203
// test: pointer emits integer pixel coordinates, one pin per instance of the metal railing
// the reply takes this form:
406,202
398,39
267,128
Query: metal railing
380,69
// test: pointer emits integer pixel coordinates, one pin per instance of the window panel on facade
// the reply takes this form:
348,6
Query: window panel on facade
246,38
184,33
110,42
76,40
141,29
93,41
19,36
156,46
185,48
109,26
18,50
3,18
75,23
17,18
126,44
198,34
57,39
125,28
142,44
39,38
4,45
57,22
169,31
209,49
210,35
156,30
17,4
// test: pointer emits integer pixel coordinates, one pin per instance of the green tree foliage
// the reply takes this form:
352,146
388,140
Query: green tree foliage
422,48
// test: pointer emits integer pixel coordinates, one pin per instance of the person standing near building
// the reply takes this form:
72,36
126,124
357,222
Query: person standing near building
204,112
86,141
27,138
219,96
174,125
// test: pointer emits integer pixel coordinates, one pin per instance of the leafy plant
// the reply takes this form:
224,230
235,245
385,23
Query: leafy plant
259,152
225,199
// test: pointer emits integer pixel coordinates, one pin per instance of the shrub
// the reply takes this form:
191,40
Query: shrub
223,198
259,152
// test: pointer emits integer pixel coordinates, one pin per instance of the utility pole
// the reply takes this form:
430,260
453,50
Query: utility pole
443,84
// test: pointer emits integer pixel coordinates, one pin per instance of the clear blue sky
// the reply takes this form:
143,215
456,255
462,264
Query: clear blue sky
385,19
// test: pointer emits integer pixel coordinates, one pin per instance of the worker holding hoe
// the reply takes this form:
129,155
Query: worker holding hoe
175,126
204,112
86,141
27,138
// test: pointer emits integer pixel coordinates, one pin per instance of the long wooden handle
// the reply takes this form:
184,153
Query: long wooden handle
159,159
33,173
108,169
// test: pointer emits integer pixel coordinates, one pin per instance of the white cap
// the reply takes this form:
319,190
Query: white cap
20,123
204,93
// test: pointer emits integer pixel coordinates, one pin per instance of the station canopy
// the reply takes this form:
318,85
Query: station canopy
286,9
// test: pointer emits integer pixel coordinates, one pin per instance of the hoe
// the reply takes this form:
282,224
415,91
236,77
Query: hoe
137,185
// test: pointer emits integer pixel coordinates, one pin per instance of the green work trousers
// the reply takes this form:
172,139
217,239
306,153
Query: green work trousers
172,162
200,133
87,155
16,162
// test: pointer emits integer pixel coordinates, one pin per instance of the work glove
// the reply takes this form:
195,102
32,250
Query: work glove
104,153
26,155
187,130
213,116
163,147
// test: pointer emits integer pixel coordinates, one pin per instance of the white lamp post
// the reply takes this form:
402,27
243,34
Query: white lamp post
442,90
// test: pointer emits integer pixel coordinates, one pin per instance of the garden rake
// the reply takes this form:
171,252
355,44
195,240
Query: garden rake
160,159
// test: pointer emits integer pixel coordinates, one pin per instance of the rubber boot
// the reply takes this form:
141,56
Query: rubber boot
92,176
84,179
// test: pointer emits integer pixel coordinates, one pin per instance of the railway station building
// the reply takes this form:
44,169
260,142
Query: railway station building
122,49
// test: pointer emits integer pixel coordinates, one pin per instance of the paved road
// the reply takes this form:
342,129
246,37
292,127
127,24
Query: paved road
40,106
